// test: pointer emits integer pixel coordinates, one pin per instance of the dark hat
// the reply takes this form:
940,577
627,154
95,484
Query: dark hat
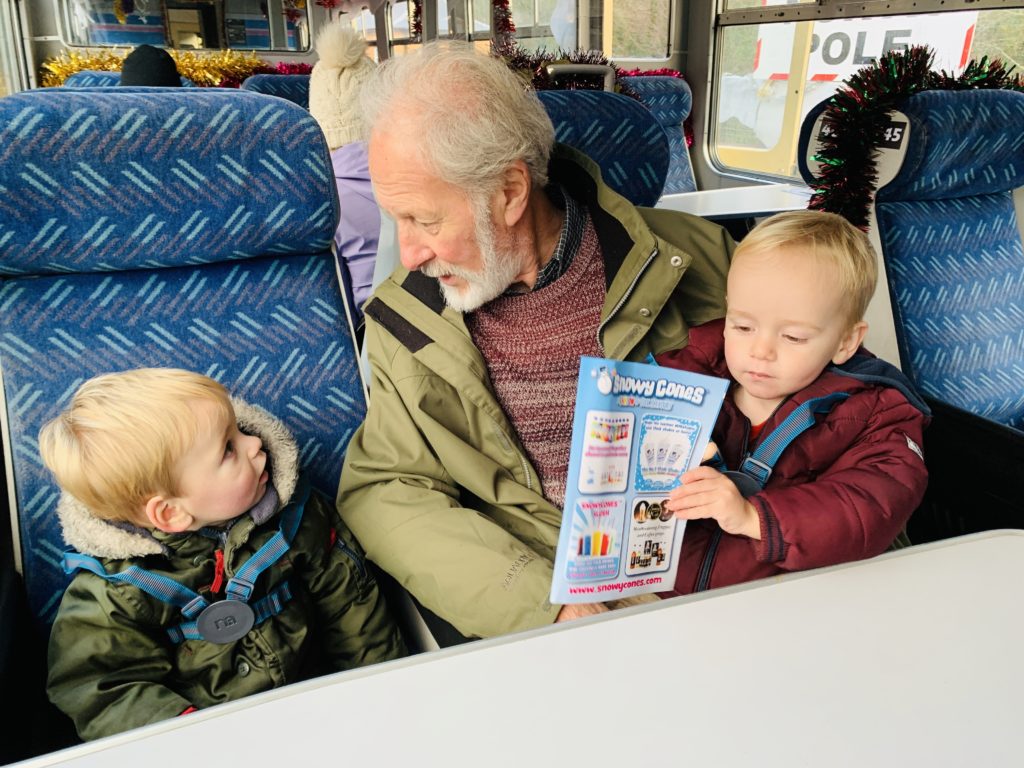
147,65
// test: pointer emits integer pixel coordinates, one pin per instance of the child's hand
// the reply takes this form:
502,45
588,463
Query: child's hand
579,610
706,492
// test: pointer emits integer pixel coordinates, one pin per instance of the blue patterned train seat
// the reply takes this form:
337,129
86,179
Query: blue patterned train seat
97,78
294,88
953,251
669,99
159,227
951,240
619,134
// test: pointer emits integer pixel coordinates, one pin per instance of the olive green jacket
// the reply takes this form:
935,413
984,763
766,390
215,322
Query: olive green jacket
112,665
436,484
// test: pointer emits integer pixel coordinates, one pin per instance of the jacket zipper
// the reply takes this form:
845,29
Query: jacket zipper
347,551
510,446
704,574
625,296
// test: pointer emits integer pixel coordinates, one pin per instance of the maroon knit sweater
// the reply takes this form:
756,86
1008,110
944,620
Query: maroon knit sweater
532,344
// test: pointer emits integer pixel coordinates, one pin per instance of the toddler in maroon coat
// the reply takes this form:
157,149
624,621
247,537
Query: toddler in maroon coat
843,482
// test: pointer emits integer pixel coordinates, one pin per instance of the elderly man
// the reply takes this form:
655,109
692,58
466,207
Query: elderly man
516,260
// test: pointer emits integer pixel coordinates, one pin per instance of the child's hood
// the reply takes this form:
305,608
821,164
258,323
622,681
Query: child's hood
92,535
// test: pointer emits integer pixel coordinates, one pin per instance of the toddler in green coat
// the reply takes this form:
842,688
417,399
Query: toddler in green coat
206,568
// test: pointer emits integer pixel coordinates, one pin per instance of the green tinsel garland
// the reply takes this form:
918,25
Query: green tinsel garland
856,117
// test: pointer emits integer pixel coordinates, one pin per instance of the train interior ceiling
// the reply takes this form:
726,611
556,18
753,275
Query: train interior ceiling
757,74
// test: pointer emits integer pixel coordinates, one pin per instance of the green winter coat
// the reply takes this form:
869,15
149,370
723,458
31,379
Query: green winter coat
436,484
111,664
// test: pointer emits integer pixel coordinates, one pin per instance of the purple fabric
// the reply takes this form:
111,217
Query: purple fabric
359,224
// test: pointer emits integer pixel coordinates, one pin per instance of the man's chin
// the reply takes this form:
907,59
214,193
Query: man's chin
465,299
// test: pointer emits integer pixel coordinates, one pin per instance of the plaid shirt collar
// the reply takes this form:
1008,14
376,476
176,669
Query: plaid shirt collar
569,239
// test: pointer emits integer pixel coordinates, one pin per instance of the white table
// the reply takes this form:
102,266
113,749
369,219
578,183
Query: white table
739,202
913,658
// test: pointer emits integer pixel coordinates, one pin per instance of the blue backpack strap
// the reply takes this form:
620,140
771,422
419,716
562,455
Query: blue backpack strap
262,609
761,462
161,587
240,585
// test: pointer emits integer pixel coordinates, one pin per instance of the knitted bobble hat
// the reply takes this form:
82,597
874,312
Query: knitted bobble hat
147,65
334,84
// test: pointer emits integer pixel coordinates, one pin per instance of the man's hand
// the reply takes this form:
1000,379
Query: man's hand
570,612
705,492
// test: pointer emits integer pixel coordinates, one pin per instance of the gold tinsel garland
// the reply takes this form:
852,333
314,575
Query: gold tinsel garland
203,69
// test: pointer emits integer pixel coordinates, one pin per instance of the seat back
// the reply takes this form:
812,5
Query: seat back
952,245
617,133
294,88
669,99
96,78
162,227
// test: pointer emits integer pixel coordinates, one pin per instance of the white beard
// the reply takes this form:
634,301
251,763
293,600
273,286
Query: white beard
500,267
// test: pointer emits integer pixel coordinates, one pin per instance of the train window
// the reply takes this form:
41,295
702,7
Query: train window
402,21
638,29
533,23
277,25
9,70
769,74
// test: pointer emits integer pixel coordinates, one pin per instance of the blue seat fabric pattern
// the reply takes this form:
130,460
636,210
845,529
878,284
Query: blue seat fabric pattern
953,250
98,78
294,88
174,229
670,100
617,133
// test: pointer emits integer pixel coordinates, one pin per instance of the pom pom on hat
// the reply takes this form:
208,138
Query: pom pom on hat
147,65
334,84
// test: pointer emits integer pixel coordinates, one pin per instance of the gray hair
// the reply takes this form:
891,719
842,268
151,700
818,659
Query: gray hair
471,116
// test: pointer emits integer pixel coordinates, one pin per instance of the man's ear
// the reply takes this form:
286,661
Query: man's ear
514,196
166,515
849,343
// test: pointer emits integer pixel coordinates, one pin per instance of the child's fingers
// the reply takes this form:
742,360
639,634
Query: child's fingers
698,473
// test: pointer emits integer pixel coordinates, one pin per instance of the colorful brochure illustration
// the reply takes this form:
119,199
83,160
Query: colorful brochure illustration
636,428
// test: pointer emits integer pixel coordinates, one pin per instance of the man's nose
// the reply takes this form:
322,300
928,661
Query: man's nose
411,251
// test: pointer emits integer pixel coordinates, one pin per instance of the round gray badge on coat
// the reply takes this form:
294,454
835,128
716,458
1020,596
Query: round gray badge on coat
225,621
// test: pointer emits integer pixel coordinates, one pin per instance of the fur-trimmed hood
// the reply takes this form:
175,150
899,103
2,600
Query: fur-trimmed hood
91,535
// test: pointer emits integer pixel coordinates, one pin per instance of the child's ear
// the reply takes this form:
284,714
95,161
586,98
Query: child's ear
849,343
166,515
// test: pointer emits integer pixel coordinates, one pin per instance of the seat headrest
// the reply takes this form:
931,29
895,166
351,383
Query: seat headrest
97,78
669,98
127,178
295,88
960,144
616,132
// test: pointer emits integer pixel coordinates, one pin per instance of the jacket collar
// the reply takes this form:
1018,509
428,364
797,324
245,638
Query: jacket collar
92,535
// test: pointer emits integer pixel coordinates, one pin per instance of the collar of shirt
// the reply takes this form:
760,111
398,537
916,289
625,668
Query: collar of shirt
569,240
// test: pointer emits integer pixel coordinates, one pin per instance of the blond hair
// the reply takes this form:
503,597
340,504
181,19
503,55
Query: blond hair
120,439
831,240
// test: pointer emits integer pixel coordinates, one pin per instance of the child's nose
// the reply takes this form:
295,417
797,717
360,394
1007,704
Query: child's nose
763,348
254,445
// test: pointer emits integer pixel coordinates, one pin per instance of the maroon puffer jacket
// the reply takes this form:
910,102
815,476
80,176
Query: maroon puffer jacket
843,490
